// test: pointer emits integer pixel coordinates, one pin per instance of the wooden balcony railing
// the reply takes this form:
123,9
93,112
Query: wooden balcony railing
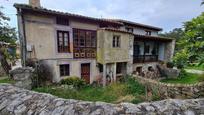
145,58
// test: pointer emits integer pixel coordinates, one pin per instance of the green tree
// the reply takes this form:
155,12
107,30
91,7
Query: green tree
189,41
194,37
177,34
7,33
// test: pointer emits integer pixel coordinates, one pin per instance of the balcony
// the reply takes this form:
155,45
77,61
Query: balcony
145,58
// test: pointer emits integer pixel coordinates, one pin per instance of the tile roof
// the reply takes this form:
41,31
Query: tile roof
137,24
45,10
113,21
139,36
115,30
147,37
119,22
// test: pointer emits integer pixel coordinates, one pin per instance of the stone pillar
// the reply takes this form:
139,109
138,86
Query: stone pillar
104,75
114,72
22,77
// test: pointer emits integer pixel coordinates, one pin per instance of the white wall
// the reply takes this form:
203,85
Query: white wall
161,51
141,31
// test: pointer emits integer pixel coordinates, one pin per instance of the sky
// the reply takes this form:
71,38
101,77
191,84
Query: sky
167,14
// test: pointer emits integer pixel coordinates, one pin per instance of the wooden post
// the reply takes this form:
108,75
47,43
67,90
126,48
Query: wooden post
144,52
114,72
104,75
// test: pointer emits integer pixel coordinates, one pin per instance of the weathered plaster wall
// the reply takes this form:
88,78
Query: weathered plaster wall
23,102
41,33
161,51
107,54
75,68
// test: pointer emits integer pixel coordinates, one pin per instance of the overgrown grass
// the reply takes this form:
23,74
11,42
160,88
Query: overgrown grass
130,91
189,78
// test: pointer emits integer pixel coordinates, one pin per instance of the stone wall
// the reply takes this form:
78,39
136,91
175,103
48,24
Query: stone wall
166,90
18,101
22,77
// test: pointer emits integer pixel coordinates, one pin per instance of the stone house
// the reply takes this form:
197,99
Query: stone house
86,47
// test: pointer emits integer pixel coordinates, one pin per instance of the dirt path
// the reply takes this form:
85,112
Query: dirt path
194,71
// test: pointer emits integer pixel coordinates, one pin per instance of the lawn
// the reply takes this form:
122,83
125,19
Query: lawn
6,80
196,67
190,78
131,91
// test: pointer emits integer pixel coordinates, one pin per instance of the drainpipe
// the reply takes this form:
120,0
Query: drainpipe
22,36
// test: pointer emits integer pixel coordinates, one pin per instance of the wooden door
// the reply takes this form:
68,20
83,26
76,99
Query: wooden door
85,72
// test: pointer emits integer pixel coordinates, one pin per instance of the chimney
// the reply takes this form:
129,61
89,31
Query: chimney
34,3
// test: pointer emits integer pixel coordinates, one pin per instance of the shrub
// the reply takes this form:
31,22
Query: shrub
42,75
182,73
181,58
75,81
155,94
137,100
134,87
170,64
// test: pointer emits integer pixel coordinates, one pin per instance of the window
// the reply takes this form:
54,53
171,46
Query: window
148,33
84,38
63,41
62,21
147,47
64,70
129,29
136,49
116,41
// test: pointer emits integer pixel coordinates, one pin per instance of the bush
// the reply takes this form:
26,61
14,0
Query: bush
155,94
138,99
134,87
169,64
42,75
181,58
75,81
182,73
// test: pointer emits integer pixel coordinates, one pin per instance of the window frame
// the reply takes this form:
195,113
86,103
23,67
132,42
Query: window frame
64,48
129,29
62,21
116,41
89,42
147,49
64,68
148,32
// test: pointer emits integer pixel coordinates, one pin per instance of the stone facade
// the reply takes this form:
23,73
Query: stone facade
166,90
16,101
169,50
